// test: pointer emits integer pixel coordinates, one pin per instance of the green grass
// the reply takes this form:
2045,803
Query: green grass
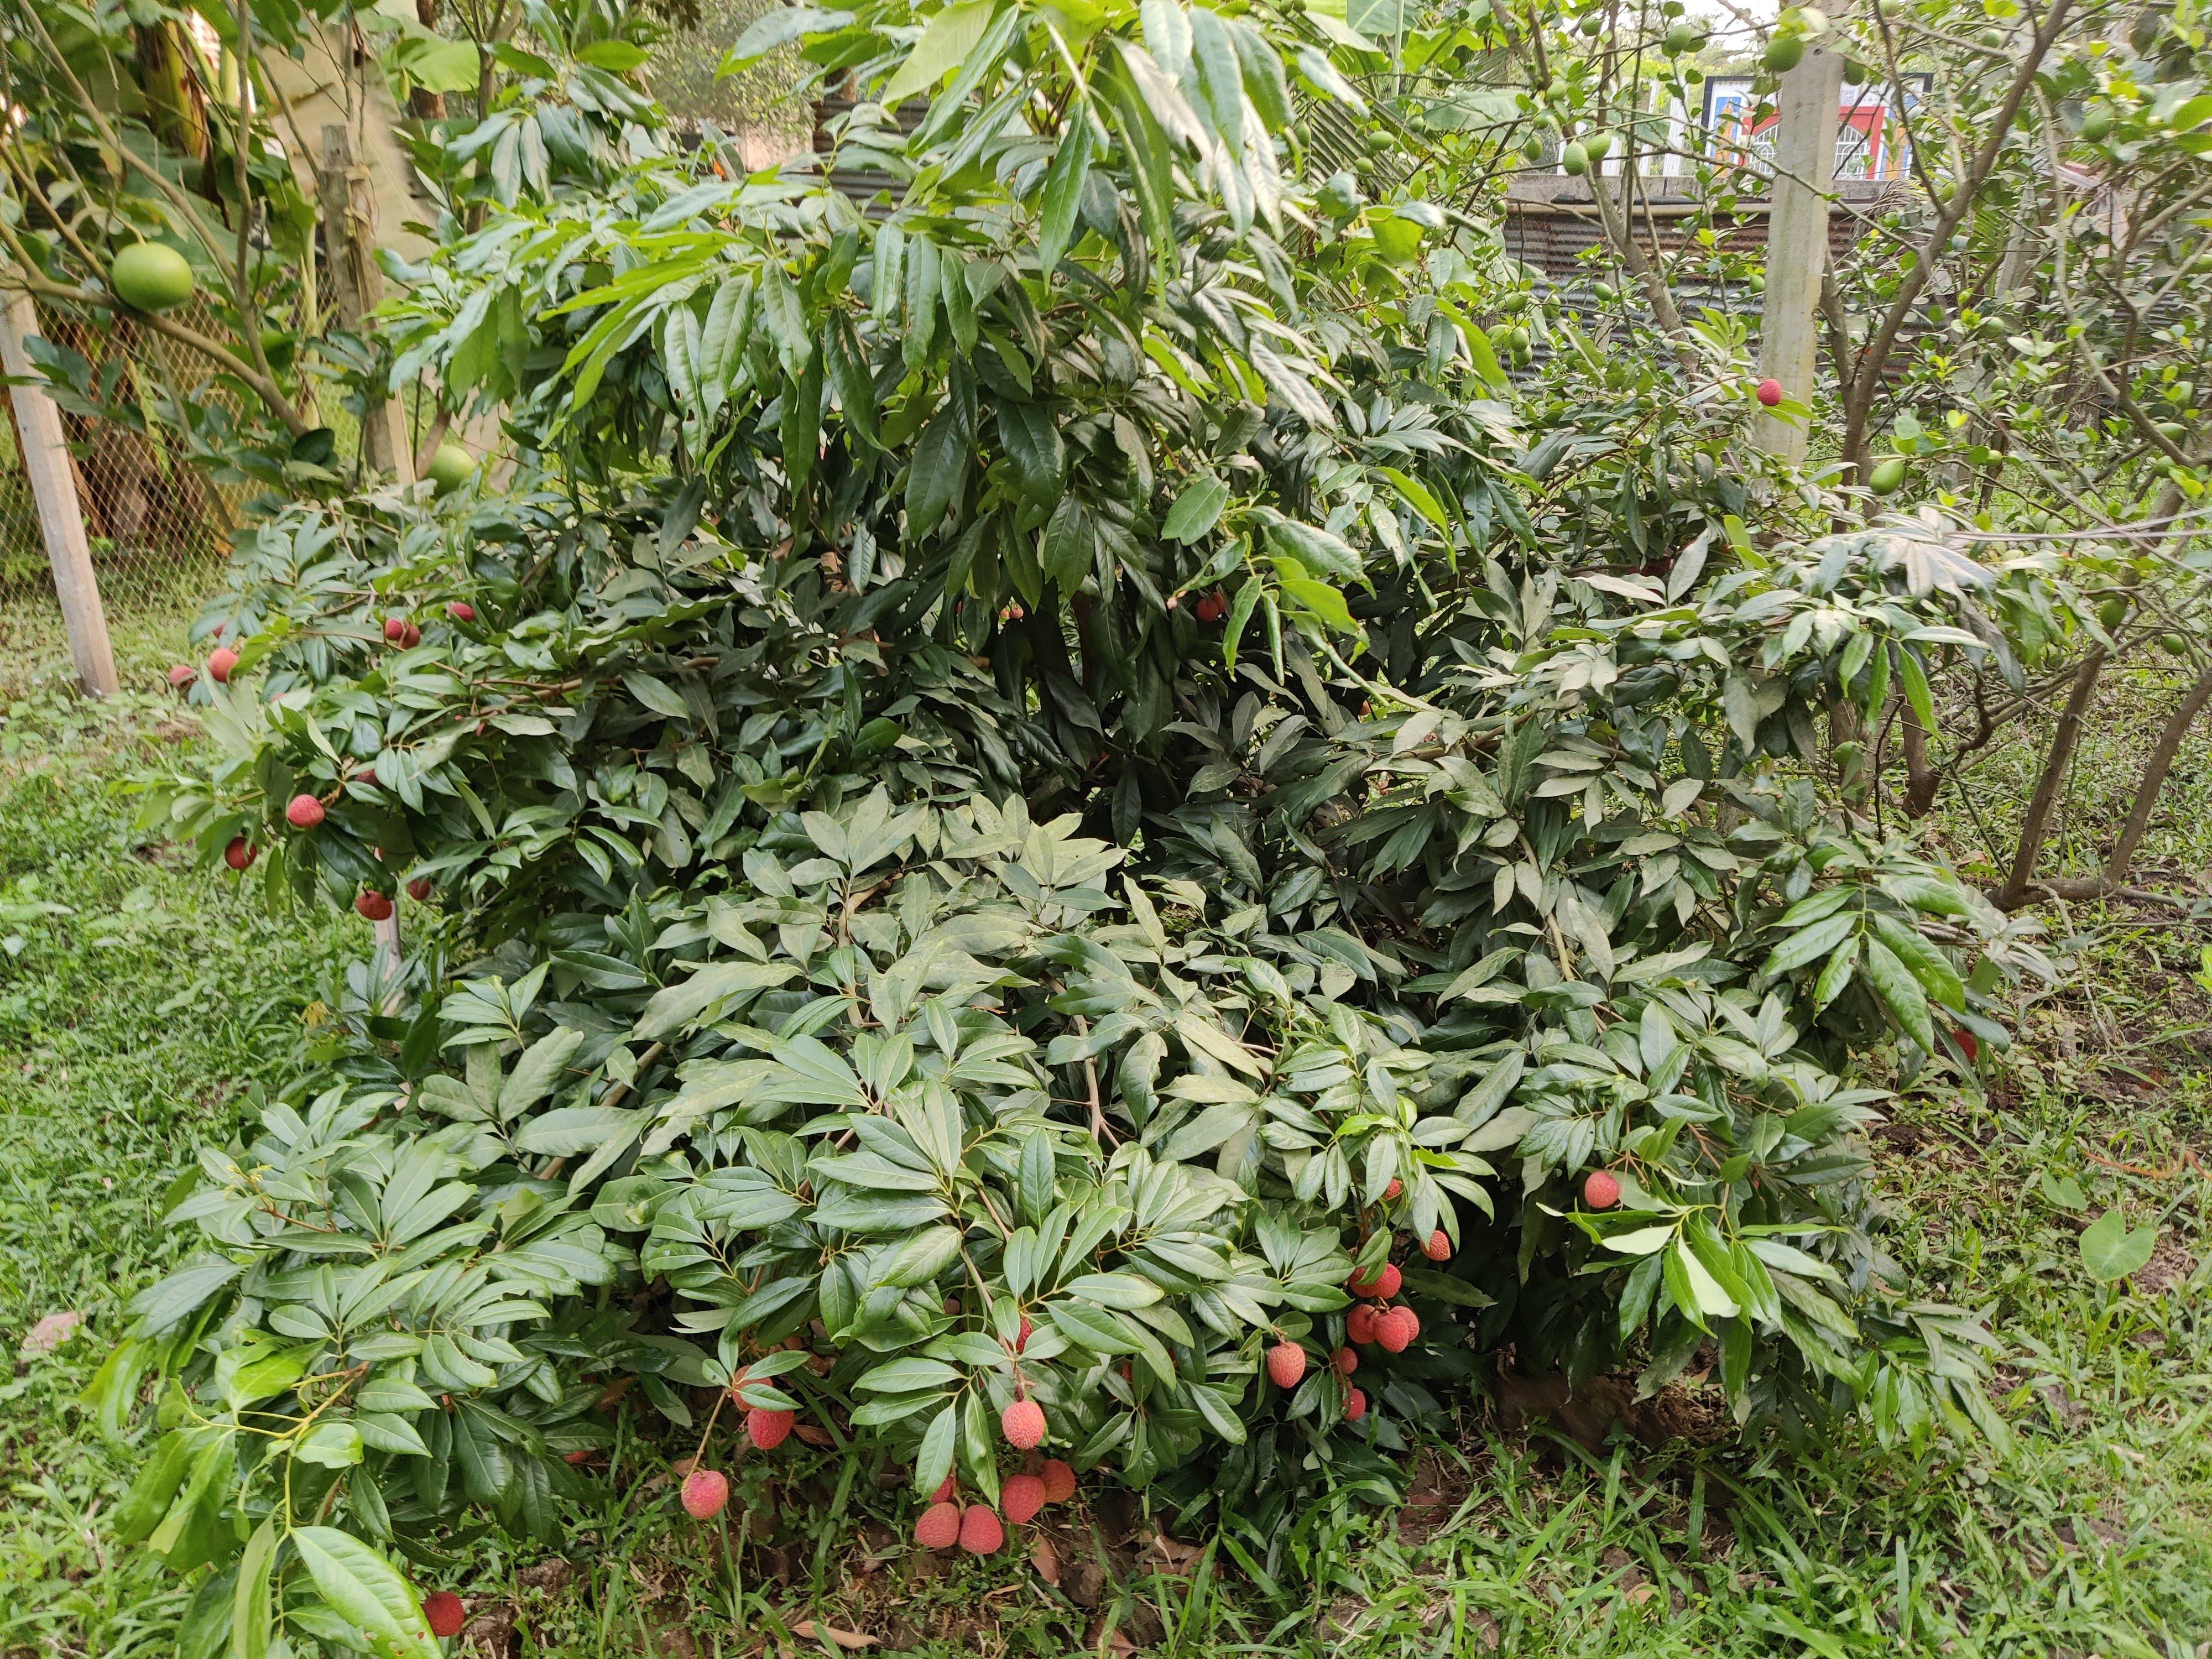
137,1019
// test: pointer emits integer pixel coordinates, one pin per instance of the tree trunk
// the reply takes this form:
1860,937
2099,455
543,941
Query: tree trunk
2036,824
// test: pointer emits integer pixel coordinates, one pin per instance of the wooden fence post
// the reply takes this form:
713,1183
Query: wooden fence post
349,206
1797,241
61,516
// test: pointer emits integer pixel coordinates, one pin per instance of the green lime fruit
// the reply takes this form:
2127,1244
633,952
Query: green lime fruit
450,467
2096,126
1596,144
1855,74
1784,53
1519,342
2112,613
1514,304
1591,25
1680,39
2174,645
149,277
2172,431
1887,477
1756,281
1574,161
1398,241
1532,147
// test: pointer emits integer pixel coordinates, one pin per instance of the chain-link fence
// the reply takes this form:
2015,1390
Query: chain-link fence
158,528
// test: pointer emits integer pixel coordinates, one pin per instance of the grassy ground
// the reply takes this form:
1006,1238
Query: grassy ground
136,1018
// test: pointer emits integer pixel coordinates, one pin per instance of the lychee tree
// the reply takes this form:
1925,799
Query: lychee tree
935,983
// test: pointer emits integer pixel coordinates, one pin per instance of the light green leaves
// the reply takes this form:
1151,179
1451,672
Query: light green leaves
952,36
1196,510
2111,1251
364,1590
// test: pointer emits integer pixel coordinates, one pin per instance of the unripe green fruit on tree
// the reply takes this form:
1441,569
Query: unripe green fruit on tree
1784,53
1887,477
2172,431
1514,304
1532,147
1855,73
150,276
2112,613
2096,126
1756,281
1591,26
2174,645
1680,38
1574,161
450,467
1596,144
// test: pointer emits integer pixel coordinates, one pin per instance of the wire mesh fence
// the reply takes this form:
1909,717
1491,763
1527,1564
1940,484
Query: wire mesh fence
159,528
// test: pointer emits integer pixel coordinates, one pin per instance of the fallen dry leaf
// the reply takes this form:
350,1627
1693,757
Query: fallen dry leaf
850,1640
1045,1561
51,1332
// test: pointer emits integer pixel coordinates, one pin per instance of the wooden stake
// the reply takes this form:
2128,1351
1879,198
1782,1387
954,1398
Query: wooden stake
1797,241
53,486
349,237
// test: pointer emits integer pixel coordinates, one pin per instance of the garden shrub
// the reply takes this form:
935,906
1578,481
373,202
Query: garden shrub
1043,786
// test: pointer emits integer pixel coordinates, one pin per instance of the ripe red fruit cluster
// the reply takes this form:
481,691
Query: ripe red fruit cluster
374,906
398,631
1023,1424
766,1428
1381,1288
220,661
1600,1189
1396,1329
303,812
705,1492
1212,607
240,853
1021,1498
1286,1363
443,1612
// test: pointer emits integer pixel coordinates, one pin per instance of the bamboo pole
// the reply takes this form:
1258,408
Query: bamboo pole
1797,241
53,487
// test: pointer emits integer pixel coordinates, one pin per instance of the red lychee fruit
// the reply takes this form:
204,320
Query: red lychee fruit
1212,607
1968,1046
1438,1246
182,675
1023,1424
366,774
220,661
581,1455
240,853
1394,1332
395,629
1021,1498
1355,1406
1409,1321
443,1612
374,906
1022,1337
1359,1324
1346,1362
939,1528
1383,1286
461,610
1600,1189
1286,1363
1392,1191
419,888
705,1492
303,812
980,1531
1769,392
946,1488
411,638
1059,1481
766,1429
